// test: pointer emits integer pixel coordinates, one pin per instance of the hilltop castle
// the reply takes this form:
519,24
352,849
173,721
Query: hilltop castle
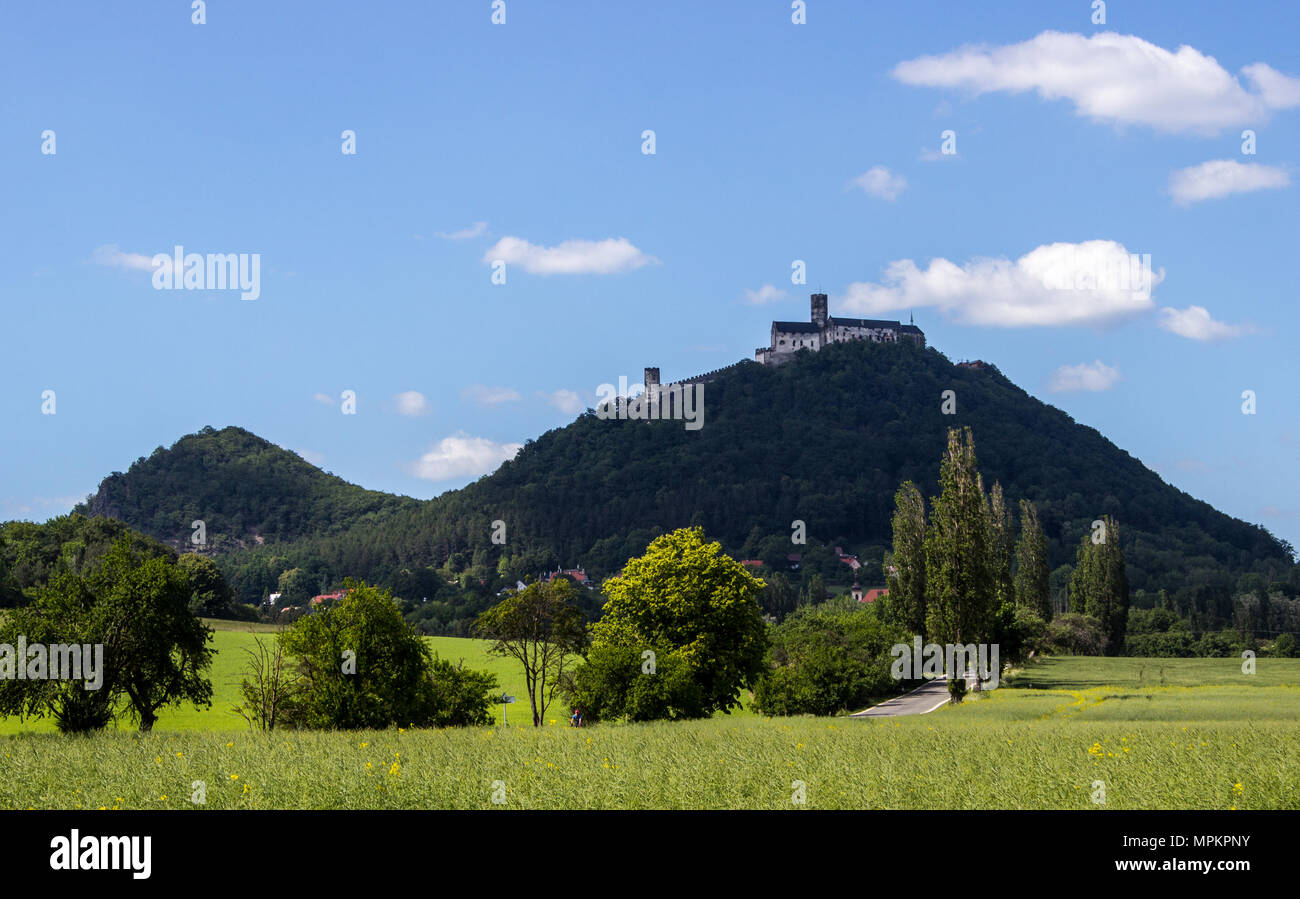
787,339
790,337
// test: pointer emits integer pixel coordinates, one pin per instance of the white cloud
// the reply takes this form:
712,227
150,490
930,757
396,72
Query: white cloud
412,402
881,182
490,396
324,399
461,456
764,295
1115,78
1195,323
1089,283
567,401
478,229
928,155
1085,376
1221,177
315,458
572,257
110,255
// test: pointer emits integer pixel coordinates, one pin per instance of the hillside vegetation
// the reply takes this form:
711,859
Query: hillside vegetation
825,439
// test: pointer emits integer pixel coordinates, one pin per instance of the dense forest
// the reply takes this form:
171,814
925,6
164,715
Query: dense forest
825,440
244,489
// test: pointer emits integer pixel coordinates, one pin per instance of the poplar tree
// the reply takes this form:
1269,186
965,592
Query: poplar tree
960,589
907,582
1001,547
1032,585
1099,584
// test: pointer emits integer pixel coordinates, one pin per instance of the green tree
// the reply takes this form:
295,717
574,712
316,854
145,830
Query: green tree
1002,612
63,612
361,665
1099,584
960,586
210,596
828,658
541,628
816,591
1001,547
905,606
623,678
685,599
1032,588
155,651
295,588
779,598
463,697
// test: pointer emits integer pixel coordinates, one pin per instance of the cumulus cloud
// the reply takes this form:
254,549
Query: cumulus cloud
412,402
567,401
1195,323
764,295
881,182
478,229
489,396
461,455
1089,283
1222,177
1085,376
572,257
110,255
1115,78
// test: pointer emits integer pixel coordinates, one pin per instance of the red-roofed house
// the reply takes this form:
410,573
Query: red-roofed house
873,594
578,574
320,598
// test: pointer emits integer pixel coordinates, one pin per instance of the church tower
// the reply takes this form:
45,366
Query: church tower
819,310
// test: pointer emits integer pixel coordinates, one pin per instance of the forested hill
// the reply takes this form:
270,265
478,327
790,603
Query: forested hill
825,439
244,489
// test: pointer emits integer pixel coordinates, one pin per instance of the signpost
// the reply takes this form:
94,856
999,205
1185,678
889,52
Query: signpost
505,701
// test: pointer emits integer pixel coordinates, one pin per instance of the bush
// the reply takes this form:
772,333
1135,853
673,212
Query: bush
828,658
1076,634
1283,647
461,696
362,666
616,682
1030,634
956,689
1174,644
1217,645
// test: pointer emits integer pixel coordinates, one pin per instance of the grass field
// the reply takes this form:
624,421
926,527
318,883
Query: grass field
1209,737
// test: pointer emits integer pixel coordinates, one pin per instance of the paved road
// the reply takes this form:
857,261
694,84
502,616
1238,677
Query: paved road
925,698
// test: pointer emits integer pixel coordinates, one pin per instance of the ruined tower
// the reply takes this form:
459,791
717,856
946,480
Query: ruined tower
819,310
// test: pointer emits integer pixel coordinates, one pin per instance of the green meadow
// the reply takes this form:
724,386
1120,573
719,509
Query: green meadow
1151,733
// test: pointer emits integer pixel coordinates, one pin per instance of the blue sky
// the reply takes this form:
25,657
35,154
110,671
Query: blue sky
774,142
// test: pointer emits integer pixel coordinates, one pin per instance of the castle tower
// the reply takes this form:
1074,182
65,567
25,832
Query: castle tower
651,378
819,309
